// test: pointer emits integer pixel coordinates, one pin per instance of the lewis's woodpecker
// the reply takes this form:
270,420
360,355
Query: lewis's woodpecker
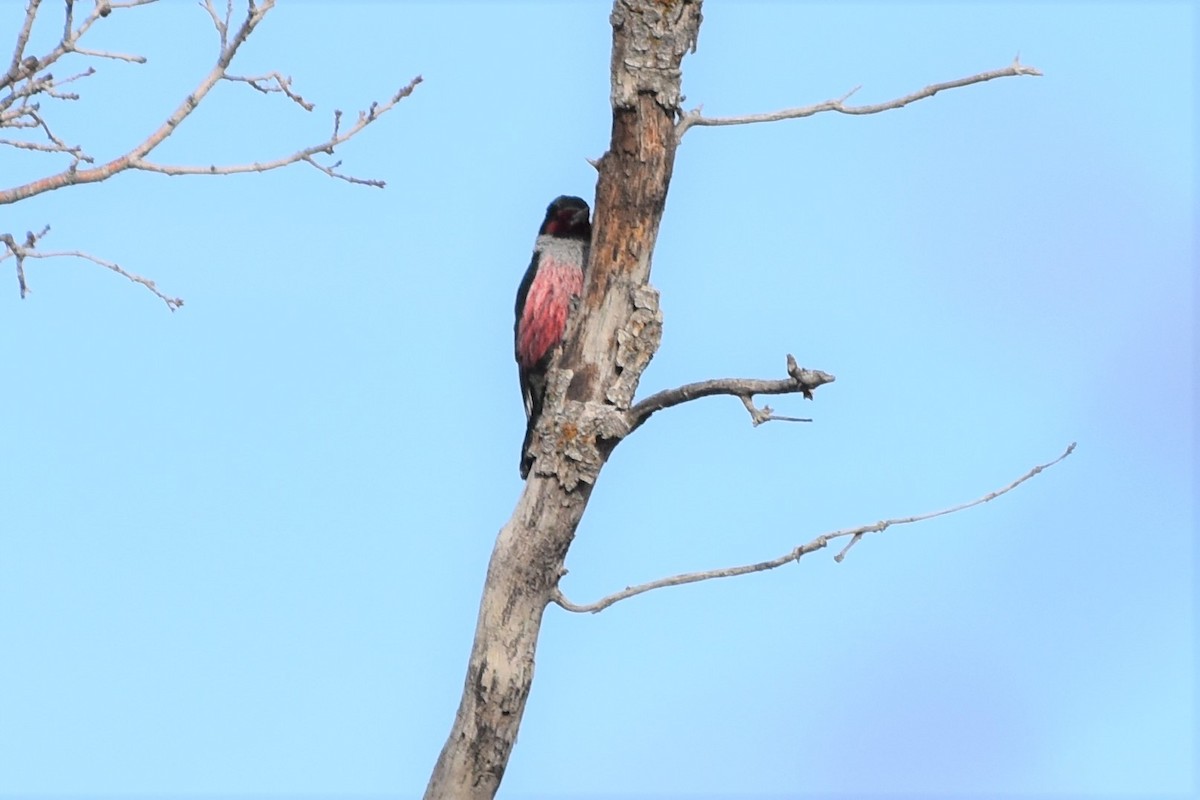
555,275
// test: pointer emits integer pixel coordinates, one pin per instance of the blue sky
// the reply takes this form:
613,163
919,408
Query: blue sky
241,545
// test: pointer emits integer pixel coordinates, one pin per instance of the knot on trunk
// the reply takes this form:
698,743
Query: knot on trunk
576,437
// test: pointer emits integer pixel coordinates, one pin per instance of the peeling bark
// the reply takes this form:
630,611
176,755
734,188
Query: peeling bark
610,341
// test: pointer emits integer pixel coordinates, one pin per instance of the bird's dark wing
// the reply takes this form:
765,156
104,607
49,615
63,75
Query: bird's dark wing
522,295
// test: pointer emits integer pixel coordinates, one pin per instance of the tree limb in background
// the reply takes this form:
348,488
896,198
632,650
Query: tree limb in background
695,117
795,555
28,79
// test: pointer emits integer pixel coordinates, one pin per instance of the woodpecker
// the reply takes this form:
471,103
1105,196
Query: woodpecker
554,277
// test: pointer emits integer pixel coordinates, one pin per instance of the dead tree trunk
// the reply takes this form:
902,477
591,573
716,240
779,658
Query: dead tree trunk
612,338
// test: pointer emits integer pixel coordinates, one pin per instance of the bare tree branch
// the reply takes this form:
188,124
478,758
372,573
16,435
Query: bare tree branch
70,177
222,26
818,543
338,137
14,68
27,249
28,76
695,117
23,67
68,19
799,381
172,302
135,158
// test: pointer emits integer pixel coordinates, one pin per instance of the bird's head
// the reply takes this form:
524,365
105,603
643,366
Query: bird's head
567,217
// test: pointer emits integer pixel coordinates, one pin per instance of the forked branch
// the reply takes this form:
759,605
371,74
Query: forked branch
799,381
818,543
696,117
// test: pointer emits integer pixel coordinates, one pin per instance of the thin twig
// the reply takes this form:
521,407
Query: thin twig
172,302
222,29
87,73
816,544
332,172
766,414
132,58
25,250
44,148
68,20
696,117
271,83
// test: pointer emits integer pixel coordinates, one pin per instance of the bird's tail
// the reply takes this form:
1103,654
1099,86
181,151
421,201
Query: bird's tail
526,458
533,387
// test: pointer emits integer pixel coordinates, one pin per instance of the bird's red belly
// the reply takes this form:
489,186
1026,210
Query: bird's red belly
544,317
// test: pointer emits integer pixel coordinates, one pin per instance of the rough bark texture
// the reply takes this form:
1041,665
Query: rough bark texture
609,342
